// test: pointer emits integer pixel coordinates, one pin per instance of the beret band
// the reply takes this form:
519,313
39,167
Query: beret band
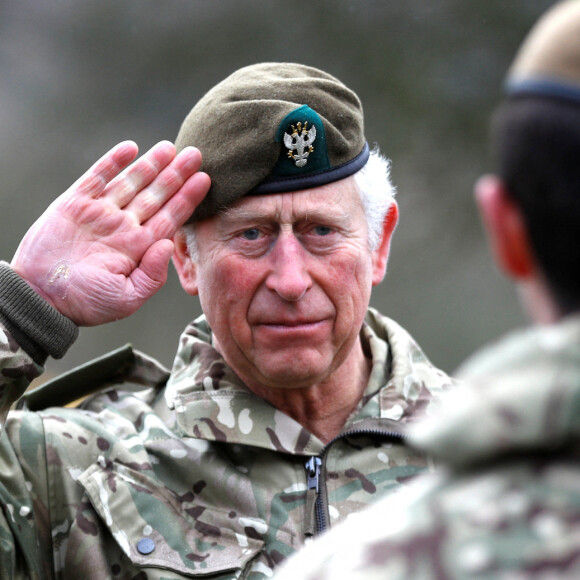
548,62
283,185
544,87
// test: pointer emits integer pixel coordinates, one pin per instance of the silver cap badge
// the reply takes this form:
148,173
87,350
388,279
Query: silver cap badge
299,143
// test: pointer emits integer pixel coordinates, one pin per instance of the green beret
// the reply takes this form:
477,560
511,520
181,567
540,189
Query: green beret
548,62
274,128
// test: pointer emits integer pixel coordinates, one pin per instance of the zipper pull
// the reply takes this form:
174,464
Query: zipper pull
312,485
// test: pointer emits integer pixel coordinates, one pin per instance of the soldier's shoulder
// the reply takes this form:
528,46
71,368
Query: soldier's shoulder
123,365
511,516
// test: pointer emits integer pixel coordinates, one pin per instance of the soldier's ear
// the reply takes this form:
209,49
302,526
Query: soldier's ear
184,265
381,254
506,229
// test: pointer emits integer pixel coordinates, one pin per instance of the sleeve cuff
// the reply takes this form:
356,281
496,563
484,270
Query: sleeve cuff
40,329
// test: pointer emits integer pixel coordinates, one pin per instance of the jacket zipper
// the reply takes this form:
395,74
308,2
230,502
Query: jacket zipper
316,502
315,520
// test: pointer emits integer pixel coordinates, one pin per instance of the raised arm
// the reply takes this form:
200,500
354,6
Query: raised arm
103,247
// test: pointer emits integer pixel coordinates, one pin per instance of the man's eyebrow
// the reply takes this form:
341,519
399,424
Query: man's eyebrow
234,215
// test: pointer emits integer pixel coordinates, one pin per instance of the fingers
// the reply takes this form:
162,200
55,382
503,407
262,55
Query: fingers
124,187
165,222
165,185
112,177
96,179
147,200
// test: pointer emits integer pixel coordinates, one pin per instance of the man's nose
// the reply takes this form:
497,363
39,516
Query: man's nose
289,276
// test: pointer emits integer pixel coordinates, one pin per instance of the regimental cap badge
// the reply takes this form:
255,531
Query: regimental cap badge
299,143
304,159
302,134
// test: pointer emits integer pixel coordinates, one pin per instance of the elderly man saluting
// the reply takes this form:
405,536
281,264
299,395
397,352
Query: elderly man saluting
284,408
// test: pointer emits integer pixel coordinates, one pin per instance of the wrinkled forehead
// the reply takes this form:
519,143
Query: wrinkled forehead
337,200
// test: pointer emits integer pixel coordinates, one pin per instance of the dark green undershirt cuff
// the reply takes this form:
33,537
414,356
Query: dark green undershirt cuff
35,325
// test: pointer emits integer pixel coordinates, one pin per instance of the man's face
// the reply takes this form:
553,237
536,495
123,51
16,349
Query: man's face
285,280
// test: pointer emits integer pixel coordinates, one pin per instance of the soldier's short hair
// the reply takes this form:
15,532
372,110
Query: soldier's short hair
537,143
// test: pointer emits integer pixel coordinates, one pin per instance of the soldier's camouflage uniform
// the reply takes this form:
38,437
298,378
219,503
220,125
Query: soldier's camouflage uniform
504,503
188,474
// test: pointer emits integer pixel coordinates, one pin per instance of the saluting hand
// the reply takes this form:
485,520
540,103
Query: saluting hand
102,249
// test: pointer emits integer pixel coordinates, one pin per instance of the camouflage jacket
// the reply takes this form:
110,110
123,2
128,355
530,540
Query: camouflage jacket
505,500
188,474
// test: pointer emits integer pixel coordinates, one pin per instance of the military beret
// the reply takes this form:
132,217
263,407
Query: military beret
548,62
274,128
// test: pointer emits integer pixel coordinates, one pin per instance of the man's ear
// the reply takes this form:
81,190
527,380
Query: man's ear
506,230
185,266
380,256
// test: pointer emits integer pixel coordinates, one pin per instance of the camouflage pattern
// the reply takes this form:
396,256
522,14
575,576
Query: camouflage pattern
505,503
188,474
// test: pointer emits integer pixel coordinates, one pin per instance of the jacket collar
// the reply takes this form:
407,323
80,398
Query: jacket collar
212,403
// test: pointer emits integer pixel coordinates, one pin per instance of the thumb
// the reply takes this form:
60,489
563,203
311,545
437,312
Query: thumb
151,274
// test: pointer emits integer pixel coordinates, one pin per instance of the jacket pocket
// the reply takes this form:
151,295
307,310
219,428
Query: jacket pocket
150,526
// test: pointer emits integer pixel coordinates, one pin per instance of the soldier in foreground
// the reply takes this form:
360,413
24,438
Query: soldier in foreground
505,502
284,409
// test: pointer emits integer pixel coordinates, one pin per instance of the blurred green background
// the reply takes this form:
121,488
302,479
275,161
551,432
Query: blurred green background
79,76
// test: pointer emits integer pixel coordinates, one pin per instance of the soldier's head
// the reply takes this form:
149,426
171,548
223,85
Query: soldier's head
296,227
533,210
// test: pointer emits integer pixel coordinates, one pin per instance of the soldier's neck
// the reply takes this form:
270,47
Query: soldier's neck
323,408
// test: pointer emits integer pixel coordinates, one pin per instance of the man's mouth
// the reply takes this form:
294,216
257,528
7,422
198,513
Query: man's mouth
292,327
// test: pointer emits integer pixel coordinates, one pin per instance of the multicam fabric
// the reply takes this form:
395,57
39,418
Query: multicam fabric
505,503
193,476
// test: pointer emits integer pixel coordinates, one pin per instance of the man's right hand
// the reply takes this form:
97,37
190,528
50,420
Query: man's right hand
102,249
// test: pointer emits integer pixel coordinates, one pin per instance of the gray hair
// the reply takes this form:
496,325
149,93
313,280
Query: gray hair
377,194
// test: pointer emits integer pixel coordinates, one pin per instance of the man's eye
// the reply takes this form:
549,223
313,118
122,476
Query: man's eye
322,230
251,234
